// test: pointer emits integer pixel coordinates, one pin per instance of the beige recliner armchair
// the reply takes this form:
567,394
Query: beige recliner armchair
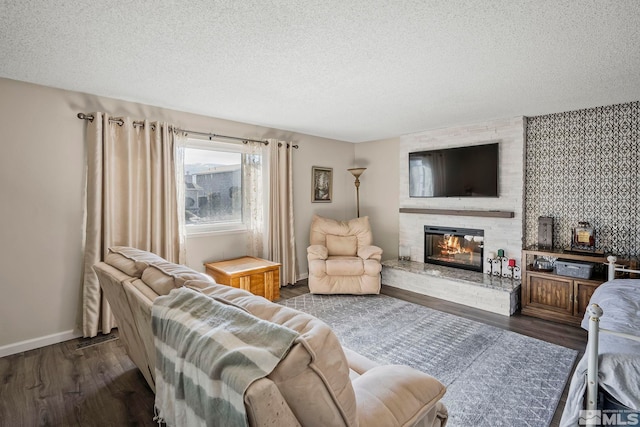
342,259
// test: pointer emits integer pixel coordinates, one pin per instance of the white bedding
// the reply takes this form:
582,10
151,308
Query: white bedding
619,358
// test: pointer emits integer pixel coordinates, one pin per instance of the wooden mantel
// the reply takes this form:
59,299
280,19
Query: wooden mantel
459,212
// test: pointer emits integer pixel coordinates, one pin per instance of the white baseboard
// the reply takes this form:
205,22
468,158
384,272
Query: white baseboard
19,347
302,276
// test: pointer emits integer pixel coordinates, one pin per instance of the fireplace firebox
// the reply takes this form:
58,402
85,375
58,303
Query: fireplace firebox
454,247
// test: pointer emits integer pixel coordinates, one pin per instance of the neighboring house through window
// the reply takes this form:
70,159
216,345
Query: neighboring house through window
213,186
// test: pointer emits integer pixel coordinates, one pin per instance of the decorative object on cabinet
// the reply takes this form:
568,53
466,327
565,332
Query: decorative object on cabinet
544,263
580,270
551,296
545,232
583,237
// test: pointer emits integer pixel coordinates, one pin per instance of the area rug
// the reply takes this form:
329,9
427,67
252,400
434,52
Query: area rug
493,377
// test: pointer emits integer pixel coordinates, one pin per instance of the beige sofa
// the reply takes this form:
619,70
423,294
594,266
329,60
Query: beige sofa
318,383
342,257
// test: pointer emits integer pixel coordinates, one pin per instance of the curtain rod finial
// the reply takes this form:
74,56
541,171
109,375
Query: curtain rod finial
83,116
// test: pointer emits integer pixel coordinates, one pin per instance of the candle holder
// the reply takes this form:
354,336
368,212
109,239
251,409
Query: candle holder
517,274
489,260
497,267
510,271
504,261
489,267
507,271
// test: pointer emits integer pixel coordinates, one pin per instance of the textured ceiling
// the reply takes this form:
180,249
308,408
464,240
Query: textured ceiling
353,70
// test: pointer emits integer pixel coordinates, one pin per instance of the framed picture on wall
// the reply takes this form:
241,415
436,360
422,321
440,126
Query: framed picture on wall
321,184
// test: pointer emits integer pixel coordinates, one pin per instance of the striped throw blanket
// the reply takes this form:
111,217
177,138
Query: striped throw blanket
207,354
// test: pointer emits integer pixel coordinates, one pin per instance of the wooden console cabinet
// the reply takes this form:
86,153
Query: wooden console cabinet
559,298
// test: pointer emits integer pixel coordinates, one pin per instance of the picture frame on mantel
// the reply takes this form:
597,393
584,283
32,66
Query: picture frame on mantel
321,184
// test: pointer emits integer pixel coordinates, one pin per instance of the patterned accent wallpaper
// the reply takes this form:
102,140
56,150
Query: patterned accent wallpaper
583,166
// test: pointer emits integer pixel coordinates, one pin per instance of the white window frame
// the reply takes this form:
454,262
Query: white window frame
229,227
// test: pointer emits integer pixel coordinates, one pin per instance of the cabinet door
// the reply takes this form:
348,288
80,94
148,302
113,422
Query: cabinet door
583,291
551,293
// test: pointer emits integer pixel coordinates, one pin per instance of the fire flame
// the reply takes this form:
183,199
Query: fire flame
450,245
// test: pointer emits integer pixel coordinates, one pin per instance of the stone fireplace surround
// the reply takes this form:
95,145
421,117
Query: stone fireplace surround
499,232
486,292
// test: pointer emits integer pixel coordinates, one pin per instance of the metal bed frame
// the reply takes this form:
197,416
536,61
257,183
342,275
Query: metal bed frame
595,312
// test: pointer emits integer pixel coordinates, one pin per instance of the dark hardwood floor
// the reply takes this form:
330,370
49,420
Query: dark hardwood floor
62,385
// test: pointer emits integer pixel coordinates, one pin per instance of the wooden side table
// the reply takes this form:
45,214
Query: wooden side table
256,275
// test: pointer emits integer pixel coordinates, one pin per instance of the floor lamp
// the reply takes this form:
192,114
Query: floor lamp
357,172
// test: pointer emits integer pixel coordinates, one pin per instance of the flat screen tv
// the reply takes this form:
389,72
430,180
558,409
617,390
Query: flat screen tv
455,172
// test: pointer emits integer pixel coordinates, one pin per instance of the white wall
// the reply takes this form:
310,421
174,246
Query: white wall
336,155
378,191
41,185
500,233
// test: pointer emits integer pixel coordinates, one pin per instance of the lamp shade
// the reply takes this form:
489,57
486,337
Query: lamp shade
357,171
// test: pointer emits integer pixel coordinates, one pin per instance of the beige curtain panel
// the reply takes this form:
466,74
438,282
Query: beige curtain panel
131,201
281,240
252,198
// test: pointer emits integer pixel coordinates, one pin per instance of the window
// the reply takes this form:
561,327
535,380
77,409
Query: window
213,179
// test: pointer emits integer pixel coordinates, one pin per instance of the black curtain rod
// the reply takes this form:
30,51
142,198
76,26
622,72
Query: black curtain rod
120,122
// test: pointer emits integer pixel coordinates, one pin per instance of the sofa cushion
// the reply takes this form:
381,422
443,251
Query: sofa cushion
406,397
199,282
131,261
321,227
315,362
164,276
342,245
344,266
203,286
